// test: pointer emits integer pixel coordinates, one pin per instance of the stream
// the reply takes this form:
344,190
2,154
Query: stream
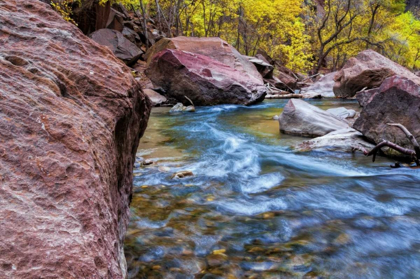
255,208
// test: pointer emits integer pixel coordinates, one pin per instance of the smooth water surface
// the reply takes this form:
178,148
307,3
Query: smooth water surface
255,208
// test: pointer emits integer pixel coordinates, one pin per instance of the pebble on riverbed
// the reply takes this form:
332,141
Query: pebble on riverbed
182,174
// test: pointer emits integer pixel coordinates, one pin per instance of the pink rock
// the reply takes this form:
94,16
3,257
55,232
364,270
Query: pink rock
367,70
214,48
396,101
204,80
71,116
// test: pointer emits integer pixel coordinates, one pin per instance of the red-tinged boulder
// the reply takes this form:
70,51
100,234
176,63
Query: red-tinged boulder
118,44
202,79
71,116
214,48
367,70
397,101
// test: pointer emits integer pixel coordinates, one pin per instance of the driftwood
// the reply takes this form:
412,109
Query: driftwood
414,154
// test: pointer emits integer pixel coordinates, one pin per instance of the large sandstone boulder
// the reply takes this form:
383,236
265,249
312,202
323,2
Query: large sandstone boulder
204,80
367,70
303,119
322,88
71,116
214,48
397,101
118,44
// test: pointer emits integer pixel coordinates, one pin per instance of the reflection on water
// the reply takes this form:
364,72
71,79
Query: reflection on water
256,209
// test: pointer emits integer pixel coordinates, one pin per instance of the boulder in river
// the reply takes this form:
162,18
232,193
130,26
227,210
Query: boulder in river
342,113
71,116
367,70
397,101
214,48
202,79
303,119
118,44
341,140
322,88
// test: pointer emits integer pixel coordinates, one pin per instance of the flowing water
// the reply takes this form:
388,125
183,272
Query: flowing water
255,208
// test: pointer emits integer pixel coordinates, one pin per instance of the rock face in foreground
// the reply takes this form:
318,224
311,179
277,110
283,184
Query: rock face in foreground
322,88
204,80
71,116
367,70
397,101
302,119
215,48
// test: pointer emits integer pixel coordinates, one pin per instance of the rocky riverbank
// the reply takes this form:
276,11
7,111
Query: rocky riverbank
71,116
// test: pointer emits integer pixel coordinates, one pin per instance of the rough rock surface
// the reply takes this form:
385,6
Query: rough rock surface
341,140
303,119
119,45
204,80
364,97
71,116
214,48
397,101
155,97
367,70
322,88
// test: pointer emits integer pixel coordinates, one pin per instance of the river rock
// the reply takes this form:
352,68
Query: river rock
303,119
341,140
367,70
214,48
71,116
342,113
202,79
155,97
397,101
118,44
322,88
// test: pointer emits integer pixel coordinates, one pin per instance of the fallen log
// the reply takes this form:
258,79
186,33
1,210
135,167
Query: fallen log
414,154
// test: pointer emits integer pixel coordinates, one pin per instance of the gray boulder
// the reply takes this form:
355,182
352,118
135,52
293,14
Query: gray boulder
303,119
321,88
342,113
341,140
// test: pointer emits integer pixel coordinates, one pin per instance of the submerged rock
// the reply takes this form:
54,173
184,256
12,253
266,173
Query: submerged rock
71,115
322,88
397,101
367,70
202,79
303,119
341,140
179,107
182,174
